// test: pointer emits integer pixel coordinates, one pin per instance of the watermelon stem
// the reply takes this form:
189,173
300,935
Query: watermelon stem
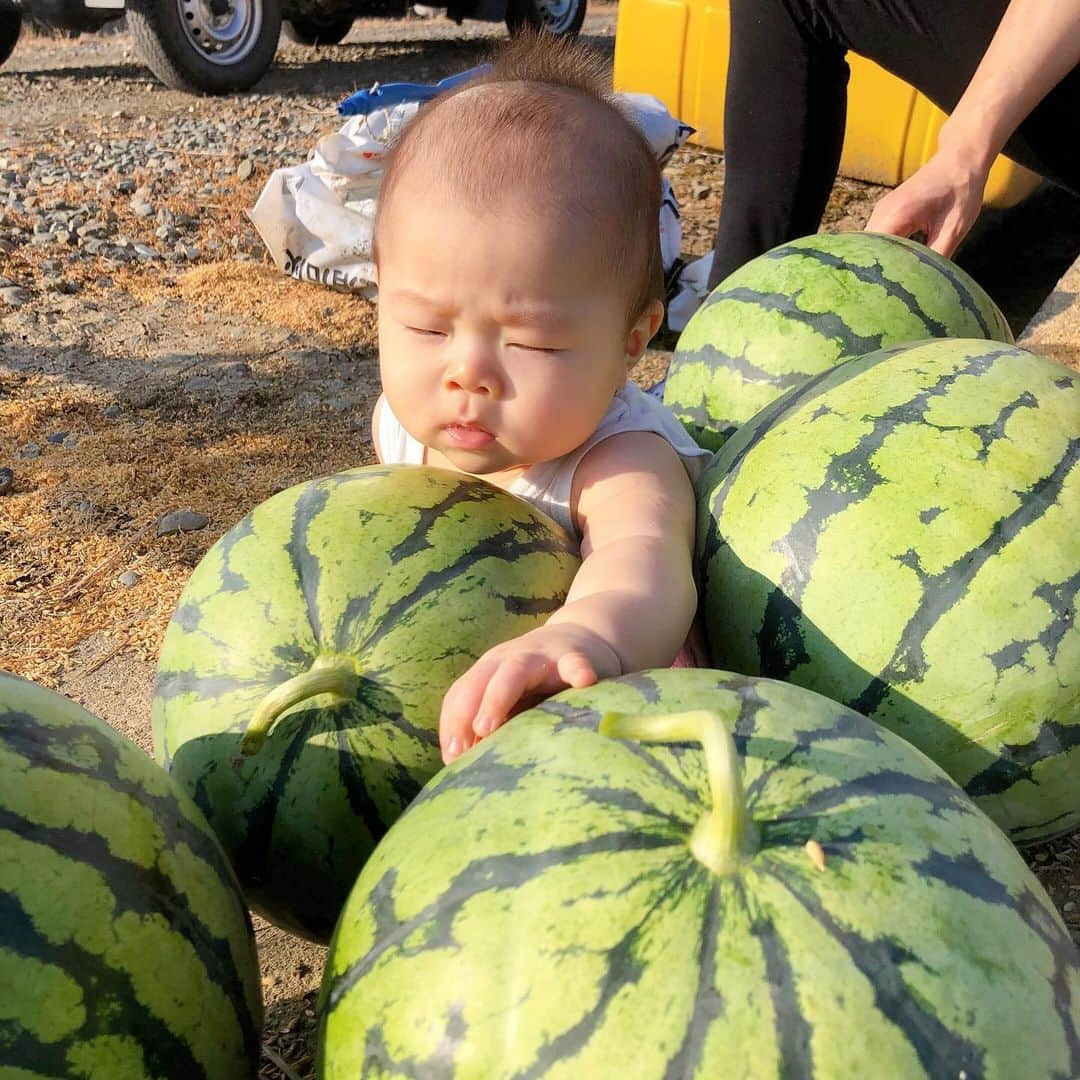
337,675
726,836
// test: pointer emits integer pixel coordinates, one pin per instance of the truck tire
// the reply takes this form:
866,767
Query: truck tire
313,31
10,25
563,18
206,46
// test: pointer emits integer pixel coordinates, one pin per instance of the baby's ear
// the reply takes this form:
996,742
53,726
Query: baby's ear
643,331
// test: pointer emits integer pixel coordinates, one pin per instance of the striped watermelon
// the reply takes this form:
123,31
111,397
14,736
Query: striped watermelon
902,534
562,905
325,628
125,947
807,306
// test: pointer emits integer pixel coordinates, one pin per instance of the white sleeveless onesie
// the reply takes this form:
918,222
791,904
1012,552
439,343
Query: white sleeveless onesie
548,484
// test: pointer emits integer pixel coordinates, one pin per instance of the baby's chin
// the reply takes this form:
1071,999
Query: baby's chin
499,471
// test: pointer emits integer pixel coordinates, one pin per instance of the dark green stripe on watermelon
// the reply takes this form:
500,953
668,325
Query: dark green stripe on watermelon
398,577
106,994
121,922
902,534
543,893
804,307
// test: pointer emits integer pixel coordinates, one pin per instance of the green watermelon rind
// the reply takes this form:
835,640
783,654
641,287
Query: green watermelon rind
537,911
806,306
408,573
902,533
125,946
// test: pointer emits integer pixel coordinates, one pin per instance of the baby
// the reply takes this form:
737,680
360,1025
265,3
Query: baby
519,280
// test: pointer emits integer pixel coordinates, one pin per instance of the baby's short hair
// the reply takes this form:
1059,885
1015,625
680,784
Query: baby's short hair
541,120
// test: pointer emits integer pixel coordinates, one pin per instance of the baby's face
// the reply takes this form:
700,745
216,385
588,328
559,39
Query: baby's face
501,342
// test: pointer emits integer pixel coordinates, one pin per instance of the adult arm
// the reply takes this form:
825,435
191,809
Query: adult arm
629,607
1036,44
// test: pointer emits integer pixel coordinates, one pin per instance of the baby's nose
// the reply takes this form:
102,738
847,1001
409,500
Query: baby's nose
473,370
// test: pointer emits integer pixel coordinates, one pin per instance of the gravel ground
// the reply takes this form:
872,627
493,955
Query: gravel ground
152,360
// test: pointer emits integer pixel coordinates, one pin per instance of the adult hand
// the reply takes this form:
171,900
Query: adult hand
941,200
515,675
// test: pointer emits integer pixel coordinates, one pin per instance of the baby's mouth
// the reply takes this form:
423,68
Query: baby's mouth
469,436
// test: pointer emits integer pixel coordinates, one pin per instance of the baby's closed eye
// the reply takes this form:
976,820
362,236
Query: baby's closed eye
552,350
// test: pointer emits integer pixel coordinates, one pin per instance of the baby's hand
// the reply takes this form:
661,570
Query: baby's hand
517,674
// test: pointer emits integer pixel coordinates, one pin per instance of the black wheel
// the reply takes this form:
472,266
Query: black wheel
316,31
559,17
10,25
206,46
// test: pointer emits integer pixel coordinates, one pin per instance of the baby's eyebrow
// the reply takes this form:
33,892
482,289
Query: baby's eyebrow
530,316
412,297
519,315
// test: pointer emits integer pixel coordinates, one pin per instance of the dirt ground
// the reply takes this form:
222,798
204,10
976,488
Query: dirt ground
133,388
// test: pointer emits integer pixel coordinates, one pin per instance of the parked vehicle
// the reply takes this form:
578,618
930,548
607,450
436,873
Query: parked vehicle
222,46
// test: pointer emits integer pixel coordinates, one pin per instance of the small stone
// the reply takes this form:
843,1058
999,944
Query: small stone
15,296
181,521
245,169
129,579
189,251
1069,905
30,451
84,506
57,437
7,479
126,187
144,251
142,209
112,411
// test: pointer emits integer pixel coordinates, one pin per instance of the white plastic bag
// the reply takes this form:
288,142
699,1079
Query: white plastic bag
317,219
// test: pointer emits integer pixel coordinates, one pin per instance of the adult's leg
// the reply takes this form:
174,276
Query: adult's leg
783,128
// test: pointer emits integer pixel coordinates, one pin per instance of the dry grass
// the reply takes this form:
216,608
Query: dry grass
79,518
264,293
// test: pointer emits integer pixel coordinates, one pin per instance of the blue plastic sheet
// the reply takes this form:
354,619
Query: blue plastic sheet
387,95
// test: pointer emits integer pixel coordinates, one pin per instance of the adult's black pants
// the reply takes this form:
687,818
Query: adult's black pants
787,101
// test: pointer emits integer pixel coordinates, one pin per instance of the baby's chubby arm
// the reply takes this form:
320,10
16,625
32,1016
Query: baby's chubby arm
629,607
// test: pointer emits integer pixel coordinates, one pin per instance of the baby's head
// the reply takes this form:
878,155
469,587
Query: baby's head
518,258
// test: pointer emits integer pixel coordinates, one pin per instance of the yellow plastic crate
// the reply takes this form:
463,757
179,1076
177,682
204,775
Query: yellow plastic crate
678,49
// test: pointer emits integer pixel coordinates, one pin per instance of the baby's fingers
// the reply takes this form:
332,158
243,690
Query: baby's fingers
576,670
515,678
459,708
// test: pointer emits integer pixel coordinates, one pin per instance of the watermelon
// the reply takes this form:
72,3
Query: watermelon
300,680
125,947
902,534
805,307
812,898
